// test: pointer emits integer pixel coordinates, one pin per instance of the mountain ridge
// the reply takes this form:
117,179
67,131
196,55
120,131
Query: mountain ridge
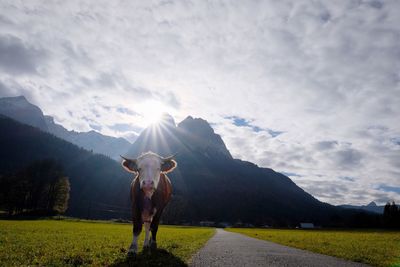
20,109
371,207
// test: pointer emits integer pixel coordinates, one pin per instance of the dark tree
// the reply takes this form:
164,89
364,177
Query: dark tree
41,186
391,215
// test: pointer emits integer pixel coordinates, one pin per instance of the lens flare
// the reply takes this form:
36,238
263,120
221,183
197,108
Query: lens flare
152,112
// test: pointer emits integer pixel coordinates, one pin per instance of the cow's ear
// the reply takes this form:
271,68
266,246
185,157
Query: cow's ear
130,165
168,165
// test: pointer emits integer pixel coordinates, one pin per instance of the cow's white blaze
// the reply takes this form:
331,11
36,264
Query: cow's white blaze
149,167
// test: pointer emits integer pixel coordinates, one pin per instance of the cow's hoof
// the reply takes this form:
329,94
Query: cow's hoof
131,254
132,250
153,245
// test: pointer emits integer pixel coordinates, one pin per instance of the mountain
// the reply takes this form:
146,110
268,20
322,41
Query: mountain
97,182
371,207
210,185
20,109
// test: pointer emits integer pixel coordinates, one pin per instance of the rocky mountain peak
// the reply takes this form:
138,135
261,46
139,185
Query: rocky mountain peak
192,135
196,126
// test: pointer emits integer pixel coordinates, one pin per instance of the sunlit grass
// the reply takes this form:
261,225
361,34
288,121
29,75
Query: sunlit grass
60,243
377,248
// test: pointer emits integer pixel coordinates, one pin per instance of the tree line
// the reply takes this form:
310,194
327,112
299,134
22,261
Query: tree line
391,215
41,188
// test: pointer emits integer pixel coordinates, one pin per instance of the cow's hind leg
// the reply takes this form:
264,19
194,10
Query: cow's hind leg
137,228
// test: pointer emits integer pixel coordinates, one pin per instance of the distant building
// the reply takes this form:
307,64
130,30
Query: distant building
223,225
207,223
307,225
238,224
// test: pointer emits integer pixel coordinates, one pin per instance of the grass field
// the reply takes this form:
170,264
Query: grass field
63,243
378,248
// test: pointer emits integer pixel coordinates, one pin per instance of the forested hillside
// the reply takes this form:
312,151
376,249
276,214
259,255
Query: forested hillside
95,180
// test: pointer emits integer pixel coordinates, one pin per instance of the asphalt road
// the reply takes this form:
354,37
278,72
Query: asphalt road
231,249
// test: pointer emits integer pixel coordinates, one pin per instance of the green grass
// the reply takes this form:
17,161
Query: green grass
63,243
377,248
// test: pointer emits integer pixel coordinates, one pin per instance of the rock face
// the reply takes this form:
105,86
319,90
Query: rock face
200,134
19,109
191,136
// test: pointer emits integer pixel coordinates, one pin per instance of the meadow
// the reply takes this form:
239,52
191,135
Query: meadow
374,247
88,243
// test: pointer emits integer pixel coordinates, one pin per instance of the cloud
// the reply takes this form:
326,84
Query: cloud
326,145
124,127
348,158
241,122
315,83
125,111
346,178
388,188
17,58
95,127
291,174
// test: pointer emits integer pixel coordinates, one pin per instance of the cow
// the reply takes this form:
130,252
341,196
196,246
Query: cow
150,192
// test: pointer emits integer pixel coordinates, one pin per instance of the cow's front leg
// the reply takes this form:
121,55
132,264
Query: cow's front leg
133,247
137,228
147,235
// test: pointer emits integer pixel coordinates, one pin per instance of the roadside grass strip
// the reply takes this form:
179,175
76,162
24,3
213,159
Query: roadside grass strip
374,247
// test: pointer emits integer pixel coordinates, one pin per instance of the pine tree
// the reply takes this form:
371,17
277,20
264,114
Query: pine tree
62,189
391,215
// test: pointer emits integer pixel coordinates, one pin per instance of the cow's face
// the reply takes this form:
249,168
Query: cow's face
149,166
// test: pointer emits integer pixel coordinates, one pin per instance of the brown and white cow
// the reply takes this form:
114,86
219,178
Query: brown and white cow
151,191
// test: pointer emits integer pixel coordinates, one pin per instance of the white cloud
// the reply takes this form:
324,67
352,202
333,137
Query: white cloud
325,73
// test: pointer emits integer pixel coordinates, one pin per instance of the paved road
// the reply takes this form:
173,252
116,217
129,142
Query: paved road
231,249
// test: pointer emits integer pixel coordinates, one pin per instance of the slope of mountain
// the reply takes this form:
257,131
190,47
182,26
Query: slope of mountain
210,185
97,182
21,110
371,207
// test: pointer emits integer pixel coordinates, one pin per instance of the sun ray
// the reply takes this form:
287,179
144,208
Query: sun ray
152,111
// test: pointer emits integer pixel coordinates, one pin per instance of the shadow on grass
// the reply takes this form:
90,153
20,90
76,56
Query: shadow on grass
159,257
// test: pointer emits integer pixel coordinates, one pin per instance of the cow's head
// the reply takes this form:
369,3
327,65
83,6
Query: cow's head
148,168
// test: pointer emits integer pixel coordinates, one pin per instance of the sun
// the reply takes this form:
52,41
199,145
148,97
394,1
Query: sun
152,111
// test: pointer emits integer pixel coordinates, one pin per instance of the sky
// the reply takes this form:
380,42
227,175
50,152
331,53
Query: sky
308,88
